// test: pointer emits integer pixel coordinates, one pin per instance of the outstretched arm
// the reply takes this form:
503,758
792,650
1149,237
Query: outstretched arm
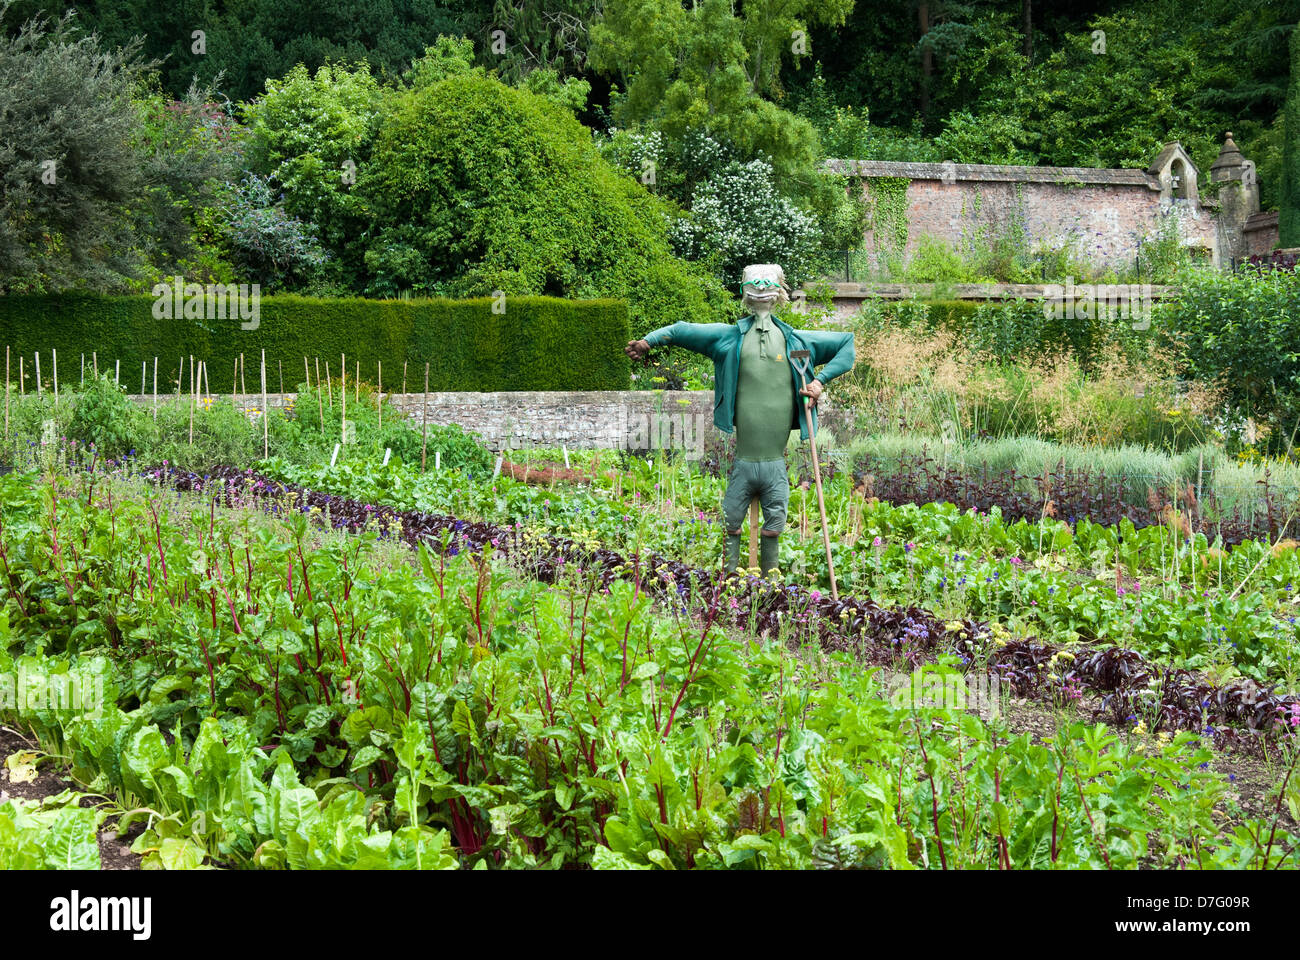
696,337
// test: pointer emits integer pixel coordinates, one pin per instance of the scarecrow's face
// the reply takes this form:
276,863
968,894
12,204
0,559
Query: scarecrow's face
763,287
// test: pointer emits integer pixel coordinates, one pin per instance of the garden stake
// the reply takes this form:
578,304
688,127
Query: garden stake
753,532
802,364
155,388
424,418
379,400
6,391
22,377
343,395
54,362
329,384
39,389
117,370
266,436
320,401
243,382
94,361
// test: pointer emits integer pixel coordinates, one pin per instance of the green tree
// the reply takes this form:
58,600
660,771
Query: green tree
709,69
1288,219
312,135
79,174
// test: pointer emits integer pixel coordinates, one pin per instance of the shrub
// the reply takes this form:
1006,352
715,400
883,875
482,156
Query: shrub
1240,329
104,418
477,187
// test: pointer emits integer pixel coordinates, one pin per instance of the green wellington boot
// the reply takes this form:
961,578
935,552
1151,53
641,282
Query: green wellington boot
769,550
732,558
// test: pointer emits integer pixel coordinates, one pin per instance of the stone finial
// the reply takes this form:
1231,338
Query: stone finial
1229,164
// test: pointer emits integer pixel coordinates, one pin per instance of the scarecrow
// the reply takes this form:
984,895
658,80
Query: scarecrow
761,365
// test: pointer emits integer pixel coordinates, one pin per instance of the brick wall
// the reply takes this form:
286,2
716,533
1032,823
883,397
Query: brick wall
1107,212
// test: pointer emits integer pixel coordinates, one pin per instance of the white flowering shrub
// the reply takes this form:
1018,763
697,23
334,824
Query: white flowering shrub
738,216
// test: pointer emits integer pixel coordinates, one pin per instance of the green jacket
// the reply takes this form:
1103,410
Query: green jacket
720,342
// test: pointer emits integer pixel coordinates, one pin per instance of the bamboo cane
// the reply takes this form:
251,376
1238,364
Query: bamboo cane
329,386
379,400
243,381
144,378
320,402
6,391
117,372
155,388
40,391
266,429
343,396
753,532
424,417
94,361
281,363
54,362
22,377
357,381
83,369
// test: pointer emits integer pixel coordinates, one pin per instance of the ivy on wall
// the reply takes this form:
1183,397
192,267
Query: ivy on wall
888,211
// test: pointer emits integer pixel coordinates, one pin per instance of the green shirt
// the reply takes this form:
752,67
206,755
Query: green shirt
764,401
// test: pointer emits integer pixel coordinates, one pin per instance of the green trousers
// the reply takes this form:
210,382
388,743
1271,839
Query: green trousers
769,481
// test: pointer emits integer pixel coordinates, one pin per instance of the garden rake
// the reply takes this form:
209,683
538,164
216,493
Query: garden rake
803,364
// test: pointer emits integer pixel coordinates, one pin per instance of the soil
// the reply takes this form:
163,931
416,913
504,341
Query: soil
546,474
114,853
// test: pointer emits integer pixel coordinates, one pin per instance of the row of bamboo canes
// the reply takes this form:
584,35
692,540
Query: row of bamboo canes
200,387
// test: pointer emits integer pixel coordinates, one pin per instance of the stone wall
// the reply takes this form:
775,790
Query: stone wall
637,420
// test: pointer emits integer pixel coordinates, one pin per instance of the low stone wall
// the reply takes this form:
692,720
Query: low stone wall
639,420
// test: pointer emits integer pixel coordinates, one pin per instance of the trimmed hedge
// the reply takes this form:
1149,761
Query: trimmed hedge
538,343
